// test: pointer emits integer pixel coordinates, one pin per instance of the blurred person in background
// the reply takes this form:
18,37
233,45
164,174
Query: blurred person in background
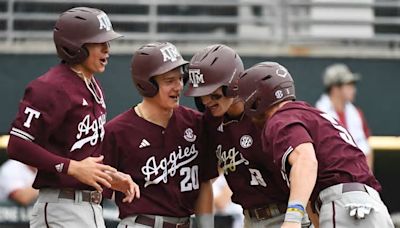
227,213
16,181
337,101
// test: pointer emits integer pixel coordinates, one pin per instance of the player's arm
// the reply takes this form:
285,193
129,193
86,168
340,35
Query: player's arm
123,182
204,206
89,171
24,196
303,175
34,155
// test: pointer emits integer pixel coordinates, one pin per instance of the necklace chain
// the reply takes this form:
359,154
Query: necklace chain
140,111
92,86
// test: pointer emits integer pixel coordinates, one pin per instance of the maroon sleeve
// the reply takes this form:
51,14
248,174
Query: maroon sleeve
285,138
41,111
109,148
34,155
208,158
209,164
110,152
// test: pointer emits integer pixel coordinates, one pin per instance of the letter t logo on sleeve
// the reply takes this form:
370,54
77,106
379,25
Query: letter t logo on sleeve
31,113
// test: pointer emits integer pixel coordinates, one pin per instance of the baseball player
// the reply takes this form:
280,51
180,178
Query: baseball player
236,141
315,154
160,144
60,125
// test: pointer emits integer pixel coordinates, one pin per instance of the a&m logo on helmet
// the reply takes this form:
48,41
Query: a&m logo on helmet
104,21
246,141
170,53
189,136
281,71
196,77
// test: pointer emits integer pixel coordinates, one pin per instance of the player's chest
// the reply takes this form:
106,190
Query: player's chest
149,143
86,110
236,144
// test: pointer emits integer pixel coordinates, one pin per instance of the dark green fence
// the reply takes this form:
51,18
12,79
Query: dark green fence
378,92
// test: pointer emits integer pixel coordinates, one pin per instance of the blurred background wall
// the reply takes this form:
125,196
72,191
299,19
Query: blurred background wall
378,91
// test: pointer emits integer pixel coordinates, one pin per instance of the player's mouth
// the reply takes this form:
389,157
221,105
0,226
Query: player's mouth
212,107
175,98
103,61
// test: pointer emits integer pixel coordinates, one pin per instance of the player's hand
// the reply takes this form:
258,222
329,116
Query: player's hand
291,225
123,182
91,172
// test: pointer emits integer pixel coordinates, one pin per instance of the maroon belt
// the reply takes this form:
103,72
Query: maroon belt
87,196
267,211
347,187
144,220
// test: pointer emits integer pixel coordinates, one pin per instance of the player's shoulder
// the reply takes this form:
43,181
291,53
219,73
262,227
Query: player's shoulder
290,113
54,80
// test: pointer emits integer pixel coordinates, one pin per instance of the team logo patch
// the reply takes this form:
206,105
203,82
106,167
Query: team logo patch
246,141
221,128
84,102
170,53
196,77
189,136
281,72
104,22
144,143
278,94
59,167
31,114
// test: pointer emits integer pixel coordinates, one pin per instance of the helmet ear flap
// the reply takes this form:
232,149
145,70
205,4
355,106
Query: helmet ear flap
154,86
72,54
84,52
185,73
148,88
232,90
253,104
225,90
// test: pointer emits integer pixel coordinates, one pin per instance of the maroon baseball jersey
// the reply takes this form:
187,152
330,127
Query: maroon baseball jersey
168,164
248,170
339,159
60,114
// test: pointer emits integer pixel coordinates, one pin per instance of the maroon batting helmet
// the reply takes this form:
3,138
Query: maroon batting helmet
263,85
214,66
79,26
151,60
